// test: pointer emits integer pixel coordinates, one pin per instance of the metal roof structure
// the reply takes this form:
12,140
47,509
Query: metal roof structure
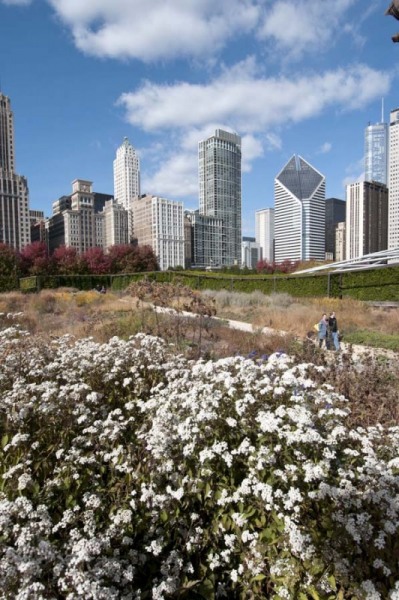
374,260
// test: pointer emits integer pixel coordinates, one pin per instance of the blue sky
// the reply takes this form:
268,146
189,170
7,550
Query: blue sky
301,77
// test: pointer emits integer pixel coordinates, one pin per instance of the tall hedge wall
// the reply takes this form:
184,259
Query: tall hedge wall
371,284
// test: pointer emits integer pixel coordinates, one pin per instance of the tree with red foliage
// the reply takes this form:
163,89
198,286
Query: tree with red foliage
67,261
95,262
147,260
287,266
9,260
35,259
127,258
263,266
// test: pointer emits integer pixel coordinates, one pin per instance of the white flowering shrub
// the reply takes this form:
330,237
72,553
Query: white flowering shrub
127,472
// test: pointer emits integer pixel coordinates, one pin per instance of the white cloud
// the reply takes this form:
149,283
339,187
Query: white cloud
239,101
355,172
304,25
325,148
273,141
251,148
155,29
251,104
152,30
176,178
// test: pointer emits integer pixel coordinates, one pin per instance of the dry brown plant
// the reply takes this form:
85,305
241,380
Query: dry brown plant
298,315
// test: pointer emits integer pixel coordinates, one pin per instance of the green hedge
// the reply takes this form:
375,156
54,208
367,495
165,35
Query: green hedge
7,284
371,284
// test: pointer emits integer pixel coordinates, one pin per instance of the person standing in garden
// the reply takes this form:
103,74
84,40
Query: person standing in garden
333,330
323,331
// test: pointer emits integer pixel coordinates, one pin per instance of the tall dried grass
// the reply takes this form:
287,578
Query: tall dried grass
297,316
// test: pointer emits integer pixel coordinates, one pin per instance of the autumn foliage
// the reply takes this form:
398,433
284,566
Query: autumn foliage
35,259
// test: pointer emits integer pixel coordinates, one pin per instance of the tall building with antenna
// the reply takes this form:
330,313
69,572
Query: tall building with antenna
376,151
14,193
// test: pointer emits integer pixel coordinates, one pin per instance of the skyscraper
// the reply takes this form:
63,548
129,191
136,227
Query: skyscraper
264,232
376,152
126,174
220,190
335,213
159,223
14,194
393,215
366,218
299,214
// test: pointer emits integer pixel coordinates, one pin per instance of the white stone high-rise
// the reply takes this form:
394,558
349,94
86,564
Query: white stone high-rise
220,191
264,232
393,186
14,193
126,174
299,213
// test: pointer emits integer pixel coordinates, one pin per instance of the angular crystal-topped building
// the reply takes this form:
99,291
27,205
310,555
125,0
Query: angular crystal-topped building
299,212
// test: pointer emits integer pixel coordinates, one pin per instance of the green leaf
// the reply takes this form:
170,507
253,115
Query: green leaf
332,582
260,577
4,440
207,590
164,516
313,593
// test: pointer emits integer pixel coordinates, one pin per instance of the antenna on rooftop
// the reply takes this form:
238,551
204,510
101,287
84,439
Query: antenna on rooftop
382,110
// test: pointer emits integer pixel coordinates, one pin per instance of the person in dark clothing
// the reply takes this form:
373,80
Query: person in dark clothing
333,330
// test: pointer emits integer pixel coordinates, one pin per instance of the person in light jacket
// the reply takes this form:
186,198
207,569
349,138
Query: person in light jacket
323,330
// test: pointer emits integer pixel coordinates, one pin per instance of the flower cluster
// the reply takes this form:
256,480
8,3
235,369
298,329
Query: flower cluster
128,472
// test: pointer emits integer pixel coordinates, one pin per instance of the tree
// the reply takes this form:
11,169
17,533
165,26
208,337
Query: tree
127,258
67,261
287,266
263,266
9,260
146,259
35,259
94,261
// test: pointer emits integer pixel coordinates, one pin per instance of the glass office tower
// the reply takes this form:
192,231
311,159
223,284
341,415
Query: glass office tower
376,153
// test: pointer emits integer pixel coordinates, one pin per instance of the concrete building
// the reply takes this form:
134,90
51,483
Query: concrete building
250,252
393,217
115,224
299,216
264,233
188,241
14,193
37,226
335,213
207,240
126,178
376,152
159,223
366,218
340,242
220,195
78,220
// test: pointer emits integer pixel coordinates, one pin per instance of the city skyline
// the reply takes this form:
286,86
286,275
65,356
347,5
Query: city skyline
287,79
